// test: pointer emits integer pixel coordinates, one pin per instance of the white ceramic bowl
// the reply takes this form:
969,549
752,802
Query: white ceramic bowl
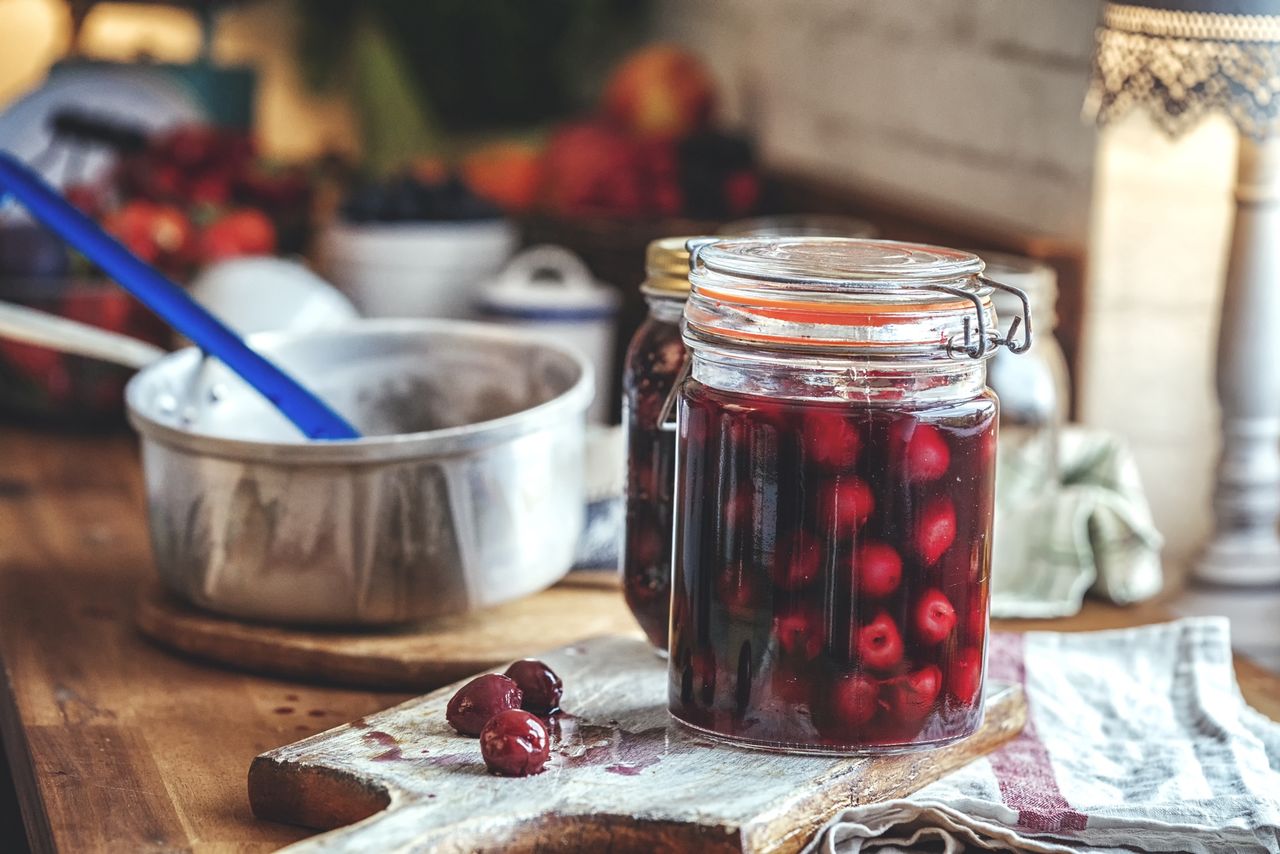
415,269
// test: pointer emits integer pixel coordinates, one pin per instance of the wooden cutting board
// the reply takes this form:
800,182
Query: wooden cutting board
621,778
416,657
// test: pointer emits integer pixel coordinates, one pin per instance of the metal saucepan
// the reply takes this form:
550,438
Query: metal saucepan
466,490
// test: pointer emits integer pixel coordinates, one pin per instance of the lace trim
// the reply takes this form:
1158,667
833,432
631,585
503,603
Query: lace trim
1213,26
1197,64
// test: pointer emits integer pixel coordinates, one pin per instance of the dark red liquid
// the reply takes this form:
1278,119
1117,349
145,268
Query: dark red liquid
653,361
832,570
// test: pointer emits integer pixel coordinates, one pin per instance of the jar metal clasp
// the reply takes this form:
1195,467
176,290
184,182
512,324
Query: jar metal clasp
978,341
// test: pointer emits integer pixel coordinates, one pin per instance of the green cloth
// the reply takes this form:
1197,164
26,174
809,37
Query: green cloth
1092,534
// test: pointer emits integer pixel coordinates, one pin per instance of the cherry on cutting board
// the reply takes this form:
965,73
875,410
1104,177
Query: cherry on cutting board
479,700
879,643
935,617
541,687
877,569
514,743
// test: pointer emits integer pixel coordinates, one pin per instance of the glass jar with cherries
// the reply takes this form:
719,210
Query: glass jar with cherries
836,463
654,359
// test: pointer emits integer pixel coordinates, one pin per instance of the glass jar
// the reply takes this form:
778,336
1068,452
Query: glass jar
836,454
1034,398
654,359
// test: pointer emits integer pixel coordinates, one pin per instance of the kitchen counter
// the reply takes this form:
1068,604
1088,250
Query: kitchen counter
115,744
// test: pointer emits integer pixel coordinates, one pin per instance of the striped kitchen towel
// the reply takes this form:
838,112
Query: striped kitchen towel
1137,740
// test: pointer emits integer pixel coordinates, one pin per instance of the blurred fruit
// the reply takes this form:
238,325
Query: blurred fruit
660,90
158,234
409,198
593,168
509,174
240,232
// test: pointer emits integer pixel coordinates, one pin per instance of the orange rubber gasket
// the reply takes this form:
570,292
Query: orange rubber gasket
854,314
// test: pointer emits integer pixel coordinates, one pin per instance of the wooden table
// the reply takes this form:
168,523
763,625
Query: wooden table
115,744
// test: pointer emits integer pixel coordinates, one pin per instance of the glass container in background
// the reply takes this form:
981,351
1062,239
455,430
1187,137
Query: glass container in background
800,225
654,360
1034,401
835,493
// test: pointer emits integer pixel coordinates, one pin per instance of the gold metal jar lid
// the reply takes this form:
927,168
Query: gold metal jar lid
666,265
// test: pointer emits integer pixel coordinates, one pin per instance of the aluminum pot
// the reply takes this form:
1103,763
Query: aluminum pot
466,490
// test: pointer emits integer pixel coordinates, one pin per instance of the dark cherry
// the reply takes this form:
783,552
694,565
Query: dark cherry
965,675
796,562
846,504
877,569
919,450
936,529
799,631
514,743
830,440
935,617
854,702
541,686
912,695
879,643
480,699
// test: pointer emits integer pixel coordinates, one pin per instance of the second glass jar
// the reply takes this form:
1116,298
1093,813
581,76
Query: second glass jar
835,490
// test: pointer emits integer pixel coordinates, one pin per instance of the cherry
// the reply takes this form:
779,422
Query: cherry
964,677
846,503
912,695
541,687
514,744
879,643
480,699
796,561
935,529
854,700
737,591
800,632
877,569
830,440
919,450
935,617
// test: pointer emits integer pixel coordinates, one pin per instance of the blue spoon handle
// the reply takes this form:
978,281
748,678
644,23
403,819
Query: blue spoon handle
310,414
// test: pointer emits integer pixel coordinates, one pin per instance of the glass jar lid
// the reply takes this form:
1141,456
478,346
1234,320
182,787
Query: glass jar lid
876,297
666,267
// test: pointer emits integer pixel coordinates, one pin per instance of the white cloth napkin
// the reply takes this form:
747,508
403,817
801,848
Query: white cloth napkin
1092,533
1137,740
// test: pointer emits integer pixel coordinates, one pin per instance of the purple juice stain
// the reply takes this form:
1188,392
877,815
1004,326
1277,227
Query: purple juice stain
377,736
389,755
283,710
617,750
317,713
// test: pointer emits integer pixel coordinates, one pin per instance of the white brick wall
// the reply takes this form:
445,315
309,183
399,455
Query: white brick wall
971,106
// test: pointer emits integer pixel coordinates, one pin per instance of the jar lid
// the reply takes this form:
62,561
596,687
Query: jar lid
547,283
666,265
879,296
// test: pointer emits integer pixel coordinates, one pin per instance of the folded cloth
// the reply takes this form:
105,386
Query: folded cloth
1136,740
1093,533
